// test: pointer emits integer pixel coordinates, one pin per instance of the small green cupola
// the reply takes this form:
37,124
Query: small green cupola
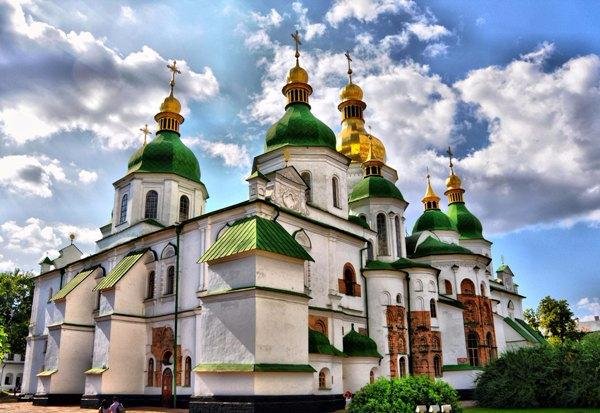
359,345
432,218
298,126
318,343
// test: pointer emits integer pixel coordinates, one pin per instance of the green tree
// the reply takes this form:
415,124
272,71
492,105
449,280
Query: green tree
530,316
554,318
3,343
16,296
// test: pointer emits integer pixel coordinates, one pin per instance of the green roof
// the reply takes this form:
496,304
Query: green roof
535,333
247,367
166,154
299,127
399,264
119,270
374,186
433,246
318,343
467,224
47,260
70,286
523,332
502,268
359,345
432,220
255,233
460,367
96,370
359,220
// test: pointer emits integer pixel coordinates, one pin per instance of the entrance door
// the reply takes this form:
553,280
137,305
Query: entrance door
167,387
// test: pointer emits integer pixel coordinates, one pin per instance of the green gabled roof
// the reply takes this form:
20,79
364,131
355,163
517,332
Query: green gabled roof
374,186
399,264
432,220
359,220
535,333
467,224
255,233
70,286
359,345
120,270
47,260
318,343
502,268
432,246
257,174
521,330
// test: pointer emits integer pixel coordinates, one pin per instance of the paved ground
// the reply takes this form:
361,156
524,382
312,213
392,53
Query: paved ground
29,408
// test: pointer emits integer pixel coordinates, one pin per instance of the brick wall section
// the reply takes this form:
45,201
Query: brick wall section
162,341
396,335
425,343
478,318
318,323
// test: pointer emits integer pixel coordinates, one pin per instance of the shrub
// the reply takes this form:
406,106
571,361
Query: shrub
403,395
557,375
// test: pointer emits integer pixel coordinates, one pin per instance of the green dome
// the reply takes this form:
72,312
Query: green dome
432,220
433,246
467,224
318,343
166,154
359,345
299,127
374,186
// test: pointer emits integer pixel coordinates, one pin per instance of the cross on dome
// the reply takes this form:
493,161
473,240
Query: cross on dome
175,70
145,131
347,54
296,37
449,152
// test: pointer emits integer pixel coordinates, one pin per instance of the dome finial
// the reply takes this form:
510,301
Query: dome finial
454,191
347,54
175,70
296,37
169,118
430,200
449,152
372,165
145,131
297,89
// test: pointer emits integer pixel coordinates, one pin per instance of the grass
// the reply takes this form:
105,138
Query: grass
547,410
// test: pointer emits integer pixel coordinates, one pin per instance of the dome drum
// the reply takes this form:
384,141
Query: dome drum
297,92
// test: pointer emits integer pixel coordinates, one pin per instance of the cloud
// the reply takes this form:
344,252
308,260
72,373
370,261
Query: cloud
272,19
86,84
539,55
436,49
234,155
257,40
30,175
7,265
311,30
128,14
87,177
425,31
590,305
365,10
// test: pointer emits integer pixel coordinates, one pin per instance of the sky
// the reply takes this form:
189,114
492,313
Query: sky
512,86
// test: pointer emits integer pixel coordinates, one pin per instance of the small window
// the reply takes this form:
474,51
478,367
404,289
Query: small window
151,211
306,178
123,214
402,367
448,287
336,192
8,379
348,285
432,308
188,372
184,208
170,280
398,298
418,285
437,366
511,309
50,294
372,376
151,284
323,379
150,372
483,290
382,235
398,236
473,349
467,287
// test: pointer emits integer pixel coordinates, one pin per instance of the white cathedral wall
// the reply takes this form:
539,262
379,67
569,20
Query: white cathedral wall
357,372
499,324
277,271
75,357
275,384
451,326
335,383
461,379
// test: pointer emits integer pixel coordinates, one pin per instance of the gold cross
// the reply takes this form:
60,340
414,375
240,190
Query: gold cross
428,176
145,131
296,38
347,54
449,152
173,68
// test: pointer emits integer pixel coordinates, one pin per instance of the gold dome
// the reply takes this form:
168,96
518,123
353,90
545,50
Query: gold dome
453,182
170,104
351,92
297,74
355,144
430,195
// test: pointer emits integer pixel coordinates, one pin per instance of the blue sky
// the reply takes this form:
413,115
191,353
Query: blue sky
513,86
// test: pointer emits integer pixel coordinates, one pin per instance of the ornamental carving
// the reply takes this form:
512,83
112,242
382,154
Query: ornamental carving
162,345
318,323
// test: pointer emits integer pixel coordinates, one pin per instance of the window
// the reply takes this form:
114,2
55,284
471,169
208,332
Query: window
151,282
336,192
382,235
372,376
473,349
8,379
151,205
402,367
123,214
306,178
437,366
467,287
98,300
170,280
432,288
432,308
184,208
348,285
398,236
482,286
489,338
435,343
511,309
448,287
50,294
167,358
323,379
188,372
398,298
418,285
349,280
150,378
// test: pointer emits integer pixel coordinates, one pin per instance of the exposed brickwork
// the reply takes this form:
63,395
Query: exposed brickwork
478,319
396,335
318,323
425,343
162,341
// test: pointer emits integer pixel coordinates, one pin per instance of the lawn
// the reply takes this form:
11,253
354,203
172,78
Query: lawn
553,410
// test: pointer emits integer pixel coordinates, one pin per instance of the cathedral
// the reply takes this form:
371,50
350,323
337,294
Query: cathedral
309,289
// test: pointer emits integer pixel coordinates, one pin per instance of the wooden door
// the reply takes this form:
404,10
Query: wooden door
167,387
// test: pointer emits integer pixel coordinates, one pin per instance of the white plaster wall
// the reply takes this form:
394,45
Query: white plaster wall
274,384
335,382
451,324
275,271
80,303
356,372
238,273
75,357
102,335
223,384
500,334
461,379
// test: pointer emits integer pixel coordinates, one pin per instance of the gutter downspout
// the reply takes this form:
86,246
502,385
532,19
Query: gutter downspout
178,232
408,325
360,258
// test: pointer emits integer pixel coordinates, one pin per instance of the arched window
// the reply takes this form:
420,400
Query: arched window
320,326
123,214
489,338
483,291
336,191
418,285
398,236
473,349
187,380
437,366
184,208
467,287
151,283
306,178
402,367
150,378
431,287
348,285
323,379
170,280
432,308
511,309
448,287
167,358
398,298
435,343
382,242
372,376
50,294
420,304
151,205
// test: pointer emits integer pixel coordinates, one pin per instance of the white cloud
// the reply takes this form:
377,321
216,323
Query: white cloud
591,306
128,14
7,264
92,87
30,175
425,31
365,10
257,40
436,49
311,30
87,177
232,154
539,55
272,19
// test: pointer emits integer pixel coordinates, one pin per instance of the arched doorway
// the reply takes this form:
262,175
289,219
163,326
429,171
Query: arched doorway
167,387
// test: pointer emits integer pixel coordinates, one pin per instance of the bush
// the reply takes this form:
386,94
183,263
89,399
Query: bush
403,395
560,375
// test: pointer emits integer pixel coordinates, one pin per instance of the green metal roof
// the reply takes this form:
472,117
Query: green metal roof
255,233
399,264
359,345
521,330
299,127
120,270
535,333
432,220
359,220
502,268
432,246
467,224
374,186
318,343
70,286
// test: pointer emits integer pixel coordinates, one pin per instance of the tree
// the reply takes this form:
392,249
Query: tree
3,344
554,318
530,316
16,296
